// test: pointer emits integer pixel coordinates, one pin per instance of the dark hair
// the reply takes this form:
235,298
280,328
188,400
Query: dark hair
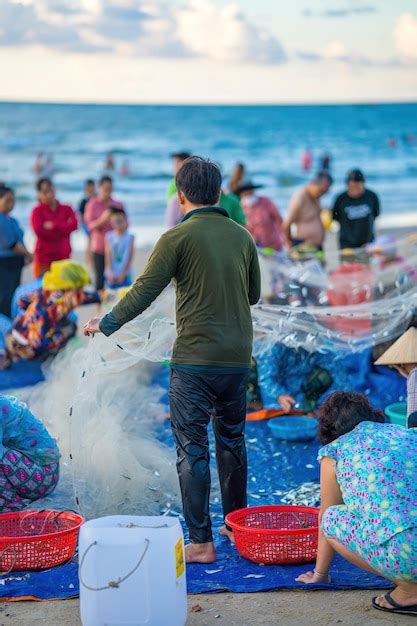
115,210
355,176
105,179
180,155
322,176
42,181
89,181
4,190
200,180
342,412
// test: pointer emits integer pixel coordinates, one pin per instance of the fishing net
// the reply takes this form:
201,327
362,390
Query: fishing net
102,401
103,404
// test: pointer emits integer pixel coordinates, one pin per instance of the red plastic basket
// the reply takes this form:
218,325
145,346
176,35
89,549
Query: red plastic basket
35,540
276,534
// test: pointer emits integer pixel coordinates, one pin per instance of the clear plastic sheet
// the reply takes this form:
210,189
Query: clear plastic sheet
350,302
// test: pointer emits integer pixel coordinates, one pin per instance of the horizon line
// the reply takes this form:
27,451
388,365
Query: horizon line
210,104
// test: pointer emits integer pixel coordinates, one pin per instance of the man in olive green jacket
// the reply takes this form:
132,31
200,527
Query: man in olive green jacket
213,263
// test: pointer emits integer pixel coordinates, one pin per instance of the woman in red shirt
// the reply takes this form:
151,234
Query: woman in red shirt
52,223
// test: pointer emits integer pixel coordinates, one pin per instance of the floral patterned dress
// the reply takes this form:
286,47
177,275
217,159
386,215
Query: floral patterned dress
29,456
43,324
376,468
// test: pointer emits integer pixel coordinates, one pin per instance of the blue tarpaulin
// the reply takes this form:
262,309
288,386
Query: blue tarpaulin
21,374
229,573
274,467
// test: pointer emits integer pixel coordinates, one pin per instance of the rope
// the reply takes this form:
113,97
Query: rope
14,560
112,584
51,516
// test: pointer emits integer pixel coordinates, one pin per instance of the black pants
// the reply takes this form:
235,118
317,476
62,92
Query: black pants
10,273
99,270
194,400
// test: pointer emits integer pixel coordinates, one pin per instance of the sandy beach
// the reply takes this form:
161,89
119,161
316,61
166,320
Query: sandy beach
289,608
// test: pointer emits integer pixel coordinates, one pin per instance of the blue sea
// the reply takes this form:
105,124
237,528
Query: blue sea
380,139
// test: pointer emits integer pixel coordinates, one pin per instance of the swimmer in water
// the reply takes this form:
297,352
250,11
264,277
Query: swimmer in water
306,160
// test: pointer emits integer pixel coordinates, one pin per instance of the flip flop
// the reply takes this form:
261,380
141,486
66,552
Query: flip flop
397,608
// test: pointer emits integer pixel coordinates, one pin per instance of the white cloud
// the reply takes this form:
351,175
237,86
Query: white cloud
139,28
405,36
52,23
340,12
224,34
335,50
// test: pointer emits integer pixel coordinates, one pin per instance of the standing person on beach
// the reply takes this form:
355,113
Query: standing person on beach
178,159
52,223
356,210
13,252
119,251
237,177
263,219
97,219
173,212
304,212
214,265
89,192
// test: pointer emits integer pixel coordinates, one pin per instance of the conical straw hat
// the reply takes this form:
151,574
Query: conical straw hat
403,351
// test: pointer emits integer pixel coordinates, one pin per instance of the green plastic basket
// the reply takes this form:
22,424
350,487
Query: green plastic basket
397,413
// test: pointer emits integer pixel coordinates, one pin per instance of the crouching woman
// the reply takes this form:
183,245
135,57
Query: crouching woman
29,457
368,483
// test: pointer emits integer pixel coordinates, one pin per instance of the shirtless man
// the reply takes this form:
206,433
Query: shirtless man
304,211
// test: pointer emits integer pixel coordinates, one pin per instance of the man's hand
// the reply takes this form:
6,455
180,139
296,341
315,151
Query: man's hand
92,327
48,225
312,577
286,401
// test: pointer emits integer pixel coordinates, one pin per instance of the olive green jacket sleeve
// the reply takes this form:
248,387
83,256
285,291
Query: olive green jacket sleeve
157,274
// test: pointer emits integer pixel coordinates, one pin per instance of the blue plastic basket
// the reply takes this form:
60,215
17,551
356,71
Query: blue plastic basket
294,428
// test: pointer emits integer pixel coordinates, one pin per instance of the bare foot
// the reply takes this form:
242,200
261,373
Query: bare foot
225,532
200,553
400,596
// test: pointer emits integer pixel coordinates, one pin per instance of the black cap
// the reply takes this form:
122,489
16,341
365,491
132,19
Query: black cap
246,186
356,176
180,155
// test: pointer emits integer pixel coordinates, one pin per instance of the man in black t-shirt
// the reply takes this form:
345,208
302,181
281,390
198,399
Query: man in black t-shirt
356,210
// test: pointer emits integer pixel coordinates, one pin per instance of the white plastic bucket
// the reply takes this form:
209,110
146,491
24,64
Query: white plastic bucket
132,572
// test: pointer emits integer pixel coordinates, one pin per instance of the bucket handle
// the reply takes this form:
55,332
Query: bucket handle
112,584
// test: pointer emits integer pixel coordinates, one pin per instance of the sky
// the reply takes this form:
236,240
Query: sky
208,51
